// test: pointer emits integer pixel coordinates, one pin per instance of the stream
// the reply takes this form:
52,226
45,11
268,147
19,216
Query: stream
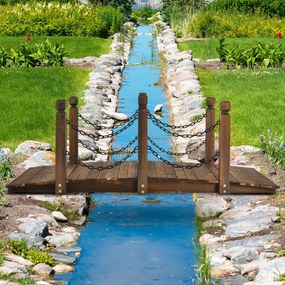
132,239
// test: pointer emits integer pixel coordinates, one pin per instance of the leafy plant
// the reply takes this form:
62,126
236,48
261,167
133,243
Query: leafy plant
274,147
6,171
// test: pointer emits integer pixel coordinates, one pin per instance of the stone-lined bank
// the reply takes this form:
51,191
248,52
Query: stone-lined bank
240,244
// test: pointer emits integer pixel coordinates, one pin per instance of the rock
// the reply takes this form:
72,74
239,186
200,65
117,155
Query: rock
41,282
59,217
79,221
158,108
63,268
210,206
2,282
43,269
10,267
47,218
64,258
30,147
8,153
115,115
72,230
40,158
61,239
33,241
18,259
66,249
223,270
241,255
34,227
235,213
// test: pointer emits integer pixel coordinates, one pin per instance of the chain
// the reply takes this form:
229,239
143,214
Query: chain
97,125
105,167
158,122
121,150
175,165
176,153
97,136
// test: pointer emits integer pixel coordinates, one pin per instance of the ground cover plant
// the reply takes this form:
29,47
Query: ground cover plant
75,46
255,98
28,98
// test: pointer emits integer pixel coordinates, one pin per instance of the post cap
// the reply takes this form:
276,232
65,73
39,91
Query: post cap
211,101
225,106
143,99
60,105
73,101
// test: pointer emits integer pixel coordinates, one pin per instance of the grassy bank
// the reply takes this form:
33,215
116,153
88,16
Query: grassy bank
27,101
76,47
257,98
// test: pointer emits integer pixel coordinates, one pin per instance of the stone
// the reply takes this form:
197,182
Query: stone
59,239
40,158
63,258
235,213
59,217
8,153
30,147
67,249
41,282
43,269
3,282
33,241
158,108
63,268
225,269
10,267
115,115
242,255
210,206
80,221
33,227
19,259
52,223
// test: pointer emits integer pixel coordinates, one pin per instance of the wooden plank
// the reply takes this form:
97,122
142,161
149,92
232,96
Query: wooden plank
180,173
75,173
133,169
123,170
152,170
170,171
204,174
93,174
103,174
160,170
24,177
45,176
242,178
245,189
215,171
113,173
84,173
190,174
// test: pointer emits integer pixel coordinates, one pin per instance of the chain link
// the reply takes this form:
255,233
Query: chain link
158,122
121,150
91,167
97,125
175,165
176,153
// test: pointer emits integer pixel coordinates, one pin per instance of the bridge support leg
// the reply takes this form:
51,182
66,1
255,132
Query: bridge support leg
142,145
60,158
73,134
224,145
210,136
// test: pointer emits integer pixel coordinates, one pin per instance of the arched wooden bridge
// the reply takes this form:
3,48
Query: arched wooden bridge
142,176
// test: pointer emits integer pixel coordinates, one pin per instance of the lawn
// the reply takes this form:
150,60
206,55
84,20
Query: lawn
206,48
77,47
257,98
27,100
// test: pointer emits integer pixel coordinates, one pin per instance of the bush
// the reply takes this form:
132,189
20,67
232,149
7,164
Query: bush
54,19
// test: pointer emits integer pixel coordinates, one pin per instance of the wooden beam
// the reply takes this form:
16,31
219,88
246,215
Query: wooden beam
142,145
73,134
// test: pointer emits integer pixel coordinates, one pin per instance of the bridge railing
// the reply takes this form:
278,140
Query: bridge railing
143,114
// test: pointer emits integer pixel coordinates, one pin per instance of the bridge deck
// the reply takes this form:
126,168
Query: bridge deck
123,178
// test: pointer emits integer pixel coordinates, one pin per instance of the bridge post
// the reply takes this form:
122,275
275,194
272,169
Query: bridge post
224,146
60,154
210,136
73,134
142,144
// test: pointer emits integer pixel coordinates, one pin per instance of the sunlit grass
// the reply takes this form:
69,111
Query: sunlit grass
257,98
77,47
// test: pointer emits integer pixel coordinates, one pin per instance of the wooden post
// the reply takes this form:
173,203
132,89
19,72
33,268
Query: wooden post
210,136
142,145
224,145
60,158
73,134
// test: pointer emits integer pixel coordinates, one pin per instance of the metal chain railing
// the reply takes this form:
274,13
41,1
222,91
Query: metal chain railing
97,125
111,166
160,123
175,165
176,153
119,151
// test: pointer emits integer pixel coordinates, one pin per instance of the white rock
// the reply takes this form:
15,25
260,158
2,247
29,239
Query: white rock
59,217
210,206
30,147
63,268
18,259
40,158
59,239
43,269
10,267
116,115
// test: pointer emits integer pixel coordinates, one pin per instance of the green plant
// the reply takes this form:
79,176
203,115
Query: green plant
6,171
274,147
25,280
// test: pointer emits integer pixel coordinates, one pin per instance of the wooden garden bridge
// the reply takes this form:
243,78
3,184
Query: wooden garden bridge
141,176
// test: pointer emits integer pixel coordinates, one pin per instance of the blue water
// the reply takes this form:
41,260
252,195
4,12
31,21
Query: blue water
132,239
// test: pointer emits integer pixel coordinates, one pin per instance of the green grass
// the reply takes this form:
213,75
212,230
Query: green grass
257,98
206,48
27,100
77,47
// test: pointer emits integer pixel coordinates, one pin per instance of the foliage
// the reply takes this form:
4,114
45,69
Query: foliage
54,19
266,55
27,100
274,147
143,15
232,24
254,95
20,247
6,171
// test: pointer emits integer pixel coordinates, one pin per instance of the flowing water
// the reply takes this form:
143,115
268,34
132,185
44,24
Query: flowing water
132,239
